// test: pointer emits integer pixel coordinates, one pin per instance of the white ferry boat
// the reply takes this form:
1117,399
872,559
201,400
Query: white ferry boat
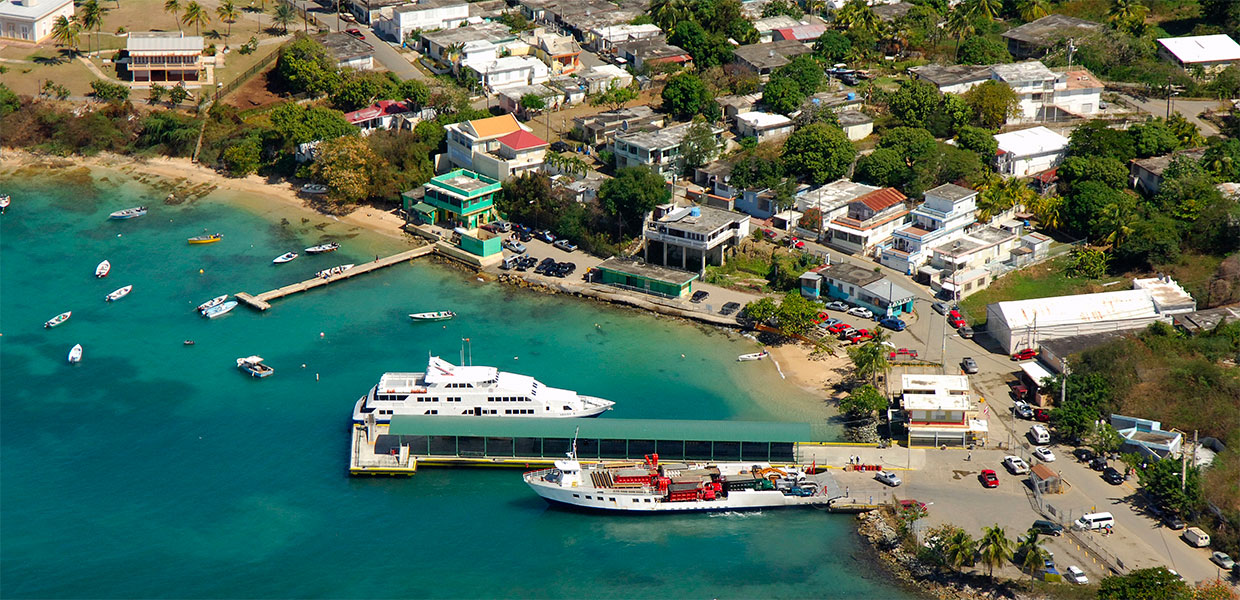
447,389
673,487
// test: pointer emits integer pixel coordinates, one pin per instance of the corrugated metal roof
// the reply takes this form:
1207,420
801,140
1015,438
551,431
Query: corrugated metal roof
1202,48
1082,308
879,200
605,428
159,42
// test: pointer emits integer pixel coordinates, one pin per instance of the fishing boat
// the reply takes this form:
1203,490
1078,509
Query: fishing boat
216,301
325,273
75,354
103,269
321,248
118,294
206,239
755,356
314,188
58,319
283,258
442,315
128,213
219,310
450,390
254,366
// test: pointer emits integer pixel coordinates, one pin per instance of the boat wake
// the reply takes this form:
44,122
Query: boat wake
735,514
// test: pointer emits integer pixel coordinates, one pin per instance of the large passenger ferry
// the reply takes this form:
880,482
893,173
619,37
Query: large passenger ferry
447,389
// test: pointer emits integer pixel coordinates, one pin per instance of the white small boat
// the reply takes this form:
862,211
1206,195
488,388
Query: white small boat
75,354
254,366
314,188
442,315
58,319
332,272
755,356
103,269
283,258
219,310
4,202
128,213
321,248
216,301
121,293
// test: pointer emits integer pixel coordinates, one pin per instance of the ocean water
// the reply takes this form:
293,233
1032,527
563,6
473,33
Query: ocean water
155,469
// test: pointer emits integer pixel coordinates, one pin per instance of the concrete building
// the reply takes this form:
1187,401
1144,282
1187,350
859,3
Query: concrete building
691,237
856,124
164,56
943,217
969,263
461,198
651,51
1147,437
1028,151
939,411
602,127
763,126
659,150
509,99
1020,324
605,39
511,71
485,41
630,274
805,34
868,222
1033,248
857,285
383,114
495,147
831,200
952,79
1035,38
560,53
762,59
32,20
398,22
1045,95
766,26
1202,321
601,78
1145,174
349,52
1210,52
892,12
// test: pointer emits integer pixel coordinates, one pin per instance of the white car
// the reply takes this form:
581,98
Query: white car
1015,465
887,478
1076,575
859,311
1044,454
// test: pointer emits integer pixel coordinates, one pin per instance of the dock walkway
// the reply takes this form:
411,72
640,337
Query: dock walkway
263,301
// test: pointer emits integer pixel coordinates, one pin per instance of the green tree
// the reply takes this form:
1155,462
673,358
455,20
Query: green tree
668,13
1032,10
1095,139
614,98
527,197
9,102
1185,131
961,550
883,167
1153,138
857,16
795,314
1030,553
174,132
305,66
818,152
761,310
67,32
959,25
109,92
1162,479
980,50
976,139
993,103
283,15
1083,214
804,71
994,548
782,95
782,7
864,401
753,171
912,143
1153,241
92,17
914,103
348,166
1187,197
242,157
1144,584
532,101
174,7
177,94
1108,440
1222,159
632,193
1128,16
699,145
1087,263
296,124
228,12
1105,170
832,46
685,95
708,49
869,361
195,15
985,10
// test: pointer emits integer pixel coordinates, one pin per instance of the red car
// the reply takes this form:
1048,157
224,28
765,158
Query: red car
795,243
770,233
860,336
903,352
1025,354
357,33
954,319
989,478
1042,415
838,327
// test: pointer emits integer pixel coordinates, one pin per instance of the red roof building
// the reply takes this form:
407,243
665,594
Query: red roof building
521,139
377,116
870,222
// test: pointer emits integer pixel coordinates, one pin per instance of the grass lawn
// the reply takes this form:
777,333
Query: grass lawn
1039,281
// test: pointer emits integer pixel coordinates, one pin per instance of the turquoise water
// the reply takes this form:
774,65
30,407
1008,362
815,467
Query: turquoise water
155,469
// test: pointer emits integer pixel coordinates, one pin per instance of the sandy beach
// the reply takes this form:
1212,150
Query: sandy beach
816,375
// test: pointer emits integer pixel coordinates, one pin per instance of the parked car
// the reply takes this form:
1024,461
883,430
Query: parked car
1076,575
1173,522
795,243
1016,465
565,245
1222,559
524,235
1083,454
1112,476
769,233
940,307
1047,527
893,324
965,332
889,478
828,323
1044,454
1098,463
902,353
862,312
545,236
839,327
560,146
969,365
357,33
699,296
837,305
847,332
1041,415
1023,410
954,319
989,478
1025,354
730,308
514,246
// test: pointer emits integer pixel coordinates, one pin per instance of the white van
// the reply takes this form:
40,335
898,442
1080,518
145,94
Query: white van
1090,521
1040,434
1196,537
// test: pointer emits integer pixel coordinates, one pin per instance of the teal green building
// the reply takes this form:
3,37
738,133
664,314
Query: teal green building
646,278
458,198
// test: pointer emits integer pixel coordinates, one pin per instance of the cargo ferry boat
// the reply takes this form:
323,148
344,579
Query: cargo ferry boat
452,390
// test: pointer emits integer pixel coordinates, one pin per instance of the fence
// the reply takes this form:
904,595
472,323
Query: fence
227,88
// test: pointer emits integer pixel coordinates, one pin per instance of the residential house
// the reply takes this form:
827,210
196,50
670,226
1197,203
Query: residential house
510,71
348,51
601,78
448,46
579,17
1029,151
602,127
1044,95
806,34
384,114
969,264
495,147
1033,248
1210,52
164,56
1145,174
939,413
460,198
1035,38
943,217
737,104
857,285
691,237
560,53
651,51
766,26
831,201
510,99
369,11
869,222
659,150
1077,94
605,39
856,124
714,176
763,126
487,10
424,15
32,20
952,79
892,12
762,59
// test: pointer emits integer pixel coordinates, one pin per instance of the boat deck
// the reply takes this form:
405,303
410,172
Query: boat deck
263,301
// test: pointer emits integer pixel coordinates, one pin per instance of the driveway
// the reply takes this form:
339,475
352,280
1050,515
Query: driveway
1191,109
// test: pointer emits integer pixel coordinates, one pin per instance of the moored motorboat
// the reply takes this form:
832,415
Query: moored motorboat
219,310
128,213
4,202
120,293
321,248
75,354
332,272
58,319
103,269
283,258
442,315
254,366
314,188
206,239
755,356
188,343
216,301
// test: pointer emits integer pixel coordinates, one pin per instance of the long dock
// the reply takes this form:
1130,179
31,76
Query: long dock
263,301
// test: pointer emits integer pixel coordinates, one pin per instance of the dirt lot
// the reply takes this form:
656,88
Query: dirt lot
255,93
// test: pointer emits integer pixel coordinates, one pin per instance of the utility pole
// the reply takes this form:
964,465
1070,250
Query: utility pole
1063,387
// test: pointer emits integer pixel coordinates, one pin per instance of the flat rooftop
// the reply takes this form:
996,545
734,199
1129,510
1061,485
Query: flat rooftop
649,271
951,191
1202,48
667,137
608,428
344,46
708,220
1023,71
771,54
858,276
947,75
1157,164
491,32
1050,29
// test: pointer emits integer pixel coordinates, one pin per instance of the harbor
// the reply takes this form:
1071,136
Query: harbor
263,301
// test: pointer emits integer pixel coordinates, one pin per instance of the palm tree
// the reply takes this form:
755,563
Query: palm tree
857,15
1000,194
1127,15
67,32
958,26
195,15
994,548
1117,220
667,13
228,13
1048,210
92,17
960,550
869,360
283,14
1031,10
174,7
986,9
1032,555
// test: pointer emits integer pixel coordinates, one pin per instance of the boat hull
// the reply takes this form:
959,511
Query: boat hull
359,413
618,501
220,310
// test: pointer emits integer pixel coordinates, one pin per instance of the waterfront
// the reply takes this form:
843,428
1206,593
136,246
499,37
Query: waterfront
154,469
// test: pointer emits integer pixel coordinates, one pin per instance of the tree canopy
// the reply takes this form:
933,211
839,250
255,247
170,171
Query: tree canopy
685,95
818,152
993,103
632,193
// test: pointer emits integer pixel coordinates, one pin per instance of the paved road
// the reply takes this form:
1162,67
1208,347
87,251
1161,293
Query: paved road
1191,109
385,52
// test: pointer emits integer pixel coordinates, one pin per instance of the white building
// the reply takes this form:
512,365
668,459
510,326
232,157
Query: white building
605,39
943,217
1029,151
1021,324
869,222
856,124
691,237
425,15
1044,94
968,264
498,147
939,411
32,20
512,71
659,150
1211,52
831,200
763,125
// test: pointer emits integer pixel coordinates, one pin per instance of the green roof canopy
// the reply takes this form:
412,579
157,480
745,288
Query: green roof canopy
423,208
605,428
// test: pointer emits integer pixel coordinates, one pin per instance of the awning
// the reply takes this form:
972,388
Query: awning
423,208
1035,371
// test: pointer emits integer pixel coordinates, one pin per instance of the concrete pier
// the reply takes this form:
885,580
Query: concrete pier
263,301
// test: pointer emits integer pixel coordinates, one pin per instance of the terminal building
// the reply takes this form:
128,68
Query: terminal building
939,411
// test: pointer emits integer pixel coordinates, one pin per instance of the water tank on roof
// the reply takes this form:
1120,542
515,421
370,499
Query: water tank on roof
695,212
852,96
